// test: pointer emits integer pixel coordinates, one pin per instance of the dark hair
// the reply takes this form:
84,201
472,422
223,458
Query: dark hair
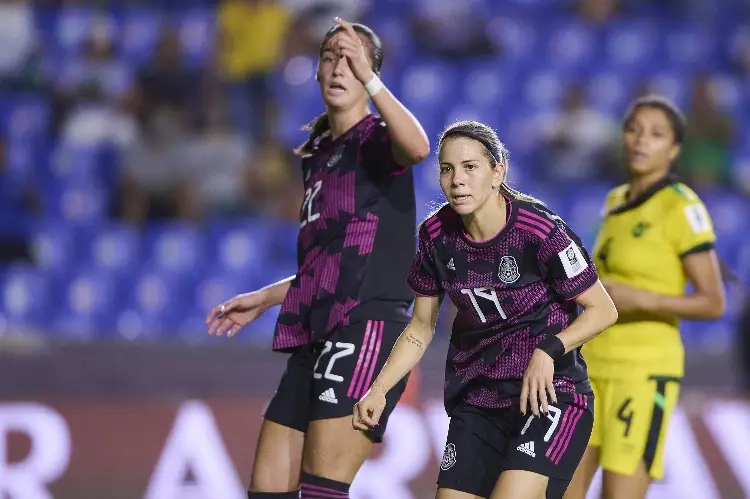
677,120
494,150
321,125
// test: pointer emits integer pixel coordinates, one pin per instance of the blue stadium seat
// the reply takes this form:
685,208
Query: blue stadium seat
428,83
570,46
28,297
115,248
242,247
140,32
74,25
633,45
79,205
610,90
198,34
174,247
58,247
27,118
158,301
517,36
585,212
688,46
488,83
283,242
92,292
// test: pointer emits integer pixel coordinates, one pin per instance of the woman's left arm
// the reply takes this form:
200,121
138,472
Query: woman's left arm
410,144
598,314
706,302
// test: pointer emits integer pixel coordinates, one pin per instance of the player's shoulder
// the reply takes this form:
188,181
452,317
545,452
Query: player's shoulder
372,127
440,221
615,197
537,214
678,194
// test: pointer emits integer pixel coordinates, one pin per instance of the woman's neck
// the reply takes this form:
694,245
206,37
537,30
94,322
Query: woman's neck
637,185
342,121
487,221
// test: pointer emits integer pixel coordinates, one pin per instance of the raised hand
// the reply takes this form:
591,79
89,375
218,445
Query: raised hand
348,44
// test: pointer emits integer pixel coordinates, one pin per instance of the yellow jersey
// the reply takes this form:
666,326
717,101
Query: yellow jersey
253,37
641,243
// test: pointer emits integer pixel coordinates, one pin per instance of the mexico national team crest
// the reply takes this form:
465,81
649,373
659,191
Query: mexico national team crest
449,457
508,272
336,157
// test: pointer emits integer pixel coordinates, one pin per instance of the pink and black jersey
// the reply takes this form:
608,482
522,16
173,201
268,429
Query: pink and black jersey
510,292
355,239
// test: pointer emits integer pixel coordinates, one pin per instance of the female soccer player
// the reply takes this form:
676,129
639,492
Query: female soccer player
655,237
516,274
346,306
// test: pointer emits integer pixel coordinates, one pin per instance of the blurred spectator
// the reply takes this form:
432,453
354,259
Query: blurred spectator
450,29
251,43
217,166
17,39
154,179
166,81
19,204
578,143
313,18
273,185
706,153
89,94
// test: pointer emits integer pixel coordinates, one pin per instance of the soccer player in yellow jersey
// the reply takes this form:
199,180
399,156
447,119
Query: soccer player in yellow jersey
655,237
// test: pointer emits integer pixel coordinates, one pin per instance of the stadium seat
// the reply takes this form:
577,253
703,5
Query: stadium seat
174,248
140,32
28,297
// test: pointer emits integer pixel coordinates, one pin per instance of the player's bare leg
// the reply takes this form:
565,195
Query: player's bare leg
278,458
584,474
617,486
520,484
443,493
333,453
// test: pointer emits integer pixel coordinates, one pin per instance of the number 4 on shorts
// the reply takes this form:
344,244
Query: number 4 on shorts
625,415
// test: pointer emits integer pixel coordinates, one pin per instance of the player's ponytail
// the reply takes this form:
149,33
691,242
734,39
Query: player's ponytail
318,128
495,151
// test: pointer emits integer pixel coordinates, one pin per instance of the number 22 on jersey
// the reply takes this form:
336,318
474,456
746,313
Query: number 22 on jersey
308,214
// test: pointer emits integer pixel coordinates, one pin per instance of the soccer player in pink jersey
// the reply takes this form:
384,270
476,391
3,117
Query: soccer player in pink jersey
346,306
516,386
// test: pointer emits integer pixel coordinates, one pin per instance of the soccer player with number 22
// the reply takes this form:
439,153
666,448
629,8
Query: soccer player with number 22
346,306
516,386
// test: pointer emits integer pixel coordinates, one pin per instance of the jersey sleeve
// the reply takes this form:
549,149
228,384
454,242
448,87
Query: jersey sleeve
423,275
378,152
690,229
566,264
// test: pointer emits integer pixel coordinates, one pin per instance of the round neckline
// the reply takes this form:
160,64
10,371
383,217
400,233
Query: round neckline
509,218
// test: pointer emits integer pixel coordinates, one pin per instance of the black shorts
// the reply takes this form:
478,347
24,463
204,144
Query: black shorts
482,443
325,380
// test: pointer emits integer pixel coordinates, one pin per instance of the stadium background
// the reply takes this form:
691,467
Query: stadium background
144,179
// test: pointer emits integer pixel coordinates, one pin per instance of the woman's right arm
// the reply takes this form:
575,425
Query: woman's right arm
411,345
274,294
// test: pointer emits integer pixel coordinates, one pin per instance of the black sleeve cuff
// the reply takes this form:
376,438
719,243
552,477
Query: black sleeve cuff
698,249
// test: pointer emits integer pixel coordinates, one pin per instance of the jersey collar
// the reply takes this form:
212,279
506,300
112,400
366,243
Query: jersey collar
509,219
645,195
